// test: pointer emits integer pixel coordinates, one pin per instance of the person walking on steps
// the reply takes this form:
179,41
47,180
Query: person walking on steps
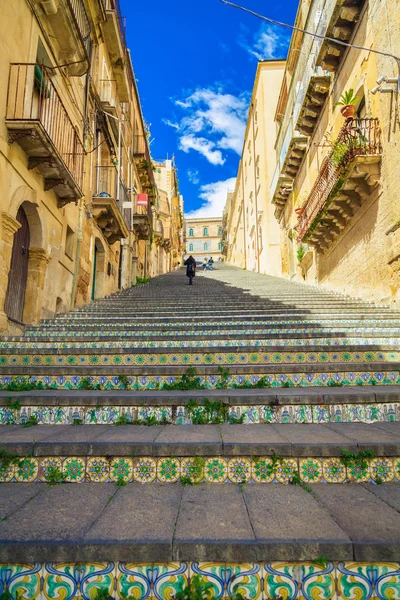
205,264
190,265
210,263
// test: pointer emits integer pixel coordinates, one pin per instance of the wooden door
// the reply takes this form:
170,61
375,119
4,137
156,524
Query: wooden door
18,274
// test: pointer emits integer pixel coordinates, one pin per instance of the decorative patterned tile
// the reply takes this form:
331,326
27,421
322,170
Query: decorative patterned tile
239,470
46,463
366,581
74,468
21,580
333,470
144,469
168,470
121,469
97,469
285,469
26,470
226,580
141,581
382,469
215,470
302,581
72,580
310,470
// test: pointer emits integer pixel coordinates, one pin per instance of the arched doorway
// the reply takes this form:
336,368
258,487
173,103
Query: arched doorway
18,273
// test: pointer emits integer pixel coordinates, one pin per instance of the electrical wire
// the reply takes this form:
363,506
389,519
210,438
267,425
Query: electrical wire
316,35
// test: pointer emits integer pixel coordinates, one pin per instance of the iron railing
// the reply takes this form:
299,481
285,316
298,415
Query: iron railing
32,97
358,137
141,150
109,185
82,22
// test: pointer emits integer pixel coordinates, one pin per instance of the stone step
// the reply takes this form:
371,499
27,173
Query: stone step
258,454
209,377
369,404
288,332
276,342
94,523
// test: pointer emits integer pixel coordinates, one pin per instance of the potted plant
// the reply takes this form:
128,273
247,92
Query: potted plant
348,103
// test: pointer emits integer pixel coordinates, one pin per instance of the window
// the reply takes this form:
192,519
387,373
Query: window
220,246
219,230
190,232
205,246
191,248
205,231
69,243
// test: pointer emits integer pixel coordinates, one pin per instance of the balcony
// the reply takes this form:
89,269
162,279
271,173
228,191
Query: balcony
144,165
291,156
71,27
114,34
341,26
314,100
111,205
37,120
142,220
348,177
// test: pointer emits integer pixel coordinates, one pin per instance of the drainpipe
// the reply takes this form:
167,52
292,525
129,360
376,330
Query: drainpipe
81,204
244,220
255,190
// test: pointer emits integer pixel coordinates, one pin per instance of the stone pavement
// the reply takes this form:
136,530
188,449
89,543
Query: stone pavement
97,522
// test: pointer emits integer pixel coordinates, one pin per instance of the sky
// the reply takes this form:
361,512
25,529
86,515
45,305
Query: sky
195,63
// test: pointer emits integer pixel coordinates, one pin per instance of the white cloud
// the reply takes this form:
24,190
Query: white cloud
268,43
203,146
214,196
193,176
213,121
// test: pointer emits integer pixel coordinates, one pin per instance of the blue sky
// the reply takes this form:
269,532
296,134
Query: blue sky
195,62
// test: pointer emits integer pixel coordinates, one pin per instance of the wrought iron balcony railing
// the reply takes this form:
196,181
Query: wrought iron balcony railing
357,138
38,120
108,184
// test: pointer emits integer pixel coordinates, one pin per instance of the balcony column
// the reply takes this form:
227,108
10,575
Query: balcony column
9,226
38,259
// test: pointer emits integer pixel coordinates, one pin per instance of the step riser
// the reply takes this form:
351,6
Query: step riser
57,379
48,414
213,469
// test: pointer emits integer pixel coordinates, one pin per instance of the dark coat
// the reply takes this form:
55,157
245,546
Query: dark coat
190,261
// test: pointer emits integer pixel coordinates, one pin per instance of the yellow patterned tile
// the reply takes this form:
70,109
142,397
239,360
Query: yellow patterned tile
262,470
44,465
285,469
193,468
6,472
168,469
239,470
215,470
121,469
26,469
144,469
333,470
310,470
97,469
382,469
74,469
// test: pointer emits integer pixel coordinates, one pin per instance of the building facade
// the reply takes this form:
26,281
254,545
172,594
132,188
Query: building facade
251,238
168,233
204,238
78,190
335,187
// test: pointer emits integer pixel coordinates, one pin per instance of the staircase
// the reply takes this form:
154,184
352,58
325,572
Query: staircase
261,416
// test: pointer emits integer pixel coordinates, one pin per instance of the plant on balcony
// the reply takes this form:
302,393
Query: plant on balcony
301,251
348,103
339,152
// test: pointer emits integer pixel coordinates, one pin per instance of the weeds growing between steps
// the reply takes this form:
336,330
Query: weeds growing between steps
189,381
